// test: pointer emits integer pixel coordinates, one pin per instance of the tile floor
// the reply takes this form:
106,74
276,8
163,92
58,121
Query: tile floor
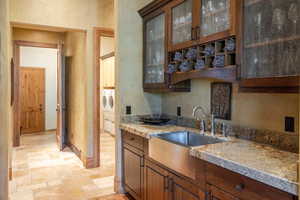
41,172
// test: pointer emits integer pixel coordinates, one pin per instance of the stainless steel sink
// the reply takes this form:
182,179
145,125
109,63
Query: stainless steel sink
188,139
173,150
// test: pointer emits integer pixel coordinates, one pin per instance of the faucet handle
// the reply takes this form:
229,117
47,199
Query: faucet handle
224,130
202,126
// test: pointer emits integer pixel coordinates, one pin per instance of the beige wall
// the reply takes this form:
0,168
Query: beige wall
37,36
108,13
5,111
75,44
129,90
75,14
264,111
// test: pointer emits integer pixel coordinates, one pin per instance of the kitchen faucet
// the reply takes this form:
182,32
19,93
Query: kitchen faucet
202,123
204,114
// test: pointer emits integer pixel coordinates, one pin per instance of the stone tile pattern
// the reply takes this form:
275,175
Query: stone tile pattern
42,172
281,140
260,162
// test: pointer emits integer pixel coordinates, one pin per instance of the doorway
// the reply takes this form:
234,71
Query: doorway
103,92
37,89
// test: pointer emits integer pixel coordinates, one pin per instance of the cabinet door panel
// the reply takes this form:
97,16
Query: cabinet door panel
214,16
182,22
217,194
133,173
155,50
182,189
155,184
179,193
271,45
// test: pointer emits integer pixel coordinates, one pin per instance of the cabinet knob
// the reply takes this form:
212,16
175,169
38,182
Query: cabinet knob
240,187
132,138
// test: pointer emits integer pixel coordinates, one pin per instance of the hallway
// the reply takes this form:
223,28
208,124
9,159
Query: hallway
41,172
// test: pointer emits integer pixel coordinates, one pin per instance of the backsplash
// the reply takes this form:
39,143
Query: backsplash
284,141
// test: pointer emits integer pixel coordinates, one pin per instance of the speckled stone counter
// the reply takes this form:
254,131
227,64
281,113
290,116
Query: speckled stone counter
257,161
147,130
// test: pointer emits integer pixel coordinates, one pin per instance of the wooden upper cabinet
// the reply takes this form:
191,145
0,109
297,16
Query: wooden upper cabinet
154,49
155,29
108,67
217,19
199,21
271,44
181,24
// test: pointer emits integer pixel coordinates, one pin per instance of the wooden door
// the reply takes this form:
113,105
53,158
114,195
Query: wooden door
61,100
218,194
156,182
32,99
133,172
181,189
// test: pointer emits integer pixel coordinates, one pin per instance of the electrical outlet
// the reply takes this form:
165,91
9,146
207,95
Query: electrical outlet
128,110
178,111
289,124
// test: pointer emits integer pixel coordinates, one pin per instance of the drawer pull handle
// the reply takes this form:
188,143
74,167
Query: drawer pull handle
239,187
132,138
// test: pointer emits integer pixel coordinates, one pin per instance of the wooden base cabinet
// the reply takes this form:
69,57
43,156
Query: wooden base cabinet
133,173
161,184
133,164
215,193
146,179
156,182
181,189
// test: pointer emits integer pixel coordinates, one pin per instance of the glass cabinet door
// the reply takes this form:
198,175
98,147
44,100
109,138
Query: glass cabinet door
155,50
214,17
271,45
182,22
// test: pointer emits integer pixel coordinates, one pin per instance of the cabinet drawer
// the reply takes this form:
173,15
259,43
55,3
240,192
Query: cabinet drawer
241,186
133,140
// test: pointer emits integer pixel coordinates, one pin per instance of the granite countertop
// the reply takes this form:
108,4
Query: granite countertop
257,161
147,130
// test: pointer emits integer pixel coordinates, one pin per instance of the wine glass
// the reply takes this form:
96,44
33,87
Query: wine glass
293,15
278,18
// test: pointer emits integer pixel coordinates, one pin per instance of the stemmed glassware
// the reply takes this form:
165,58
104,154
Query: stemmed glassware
293,15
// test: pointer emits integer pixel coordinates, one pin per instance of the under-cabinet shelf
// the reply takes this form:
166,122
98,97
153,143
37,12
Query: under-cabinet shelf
227,73
215,60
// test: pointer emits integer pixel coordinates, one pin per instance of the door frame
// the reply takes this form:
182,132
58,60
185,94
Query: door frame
16,85
98,33
44,99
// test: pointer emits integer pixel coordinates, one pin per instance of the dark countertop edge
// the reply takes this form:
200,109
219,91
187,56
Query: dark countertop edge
264,177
